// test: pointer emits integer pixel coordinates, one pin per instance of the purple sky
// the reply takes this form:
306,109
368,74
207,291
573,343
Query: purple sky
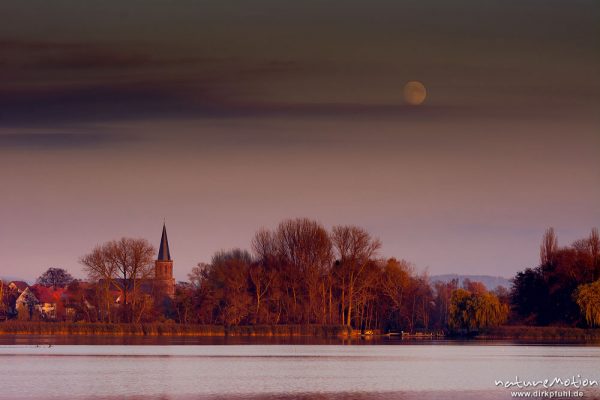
224,117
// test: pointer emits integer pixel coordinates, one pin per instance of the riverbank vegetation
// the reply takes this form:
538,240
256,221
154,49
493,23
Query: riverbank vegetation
301,277
169,329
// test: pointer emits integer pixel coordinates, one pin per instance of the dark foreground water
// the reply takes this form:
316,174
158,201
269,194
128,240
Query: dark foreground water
30,369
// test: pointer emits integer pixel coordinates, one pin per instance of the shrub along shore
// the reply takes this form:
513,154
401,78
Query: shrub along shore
169,329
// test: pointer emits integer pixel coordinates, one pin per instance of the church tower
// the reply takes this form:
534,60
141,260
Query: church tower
163,267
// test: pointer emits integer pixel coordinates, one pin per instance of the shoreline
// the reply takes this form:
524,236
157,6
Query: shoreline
508,332
170,329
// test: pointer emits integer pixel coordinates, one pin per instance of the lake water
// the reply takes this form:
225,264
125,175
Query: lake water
398,370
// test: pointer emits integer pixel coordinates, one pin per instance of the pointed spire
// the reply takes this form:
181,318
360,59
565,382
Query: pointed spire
163,251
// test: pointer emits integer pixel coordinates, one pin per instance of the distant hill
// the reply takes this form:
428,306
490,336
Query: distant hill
490,282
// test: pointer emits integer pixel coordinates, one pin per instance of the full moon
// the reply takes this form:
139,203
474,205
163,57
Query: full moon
414,93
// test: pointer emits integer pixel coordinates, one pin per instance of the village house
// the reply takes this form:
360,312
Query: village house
9,293
76,304
25,305
39,302
18,286
49,301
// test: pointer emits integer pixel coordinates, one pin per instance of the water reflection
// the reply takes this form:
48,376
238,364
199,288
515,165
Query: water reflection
258,340
270,371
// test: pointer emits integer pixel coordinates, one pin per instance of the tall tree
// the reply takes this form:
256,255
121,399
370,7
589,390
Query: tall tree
134,259
396,284
227,281
594,245
264,273
261,278
102,270
354,248
55,277
124,264
184,303
549,246
529,296
443,291
304,249
422,299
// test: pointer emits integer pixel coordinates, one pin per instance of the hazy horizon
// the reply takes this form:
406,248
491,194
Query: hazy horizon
224,117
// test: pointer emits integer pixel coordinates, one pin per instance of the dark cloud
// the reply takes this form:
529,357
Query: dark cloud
138,101
52,55
151,100
97,102
64,82
312,60
99,82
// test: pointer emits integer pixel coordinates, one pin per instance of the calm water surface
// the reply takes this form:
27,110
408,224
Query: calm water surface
432,370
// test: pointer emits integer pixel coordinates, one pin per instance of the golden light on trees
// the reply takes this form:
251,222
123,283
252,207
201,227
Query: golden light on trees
414,93
121,265
474,311
588,300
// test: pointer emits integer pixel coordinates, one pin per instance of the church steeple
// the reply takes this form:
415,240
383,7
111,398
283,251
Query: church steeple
163,251
163,268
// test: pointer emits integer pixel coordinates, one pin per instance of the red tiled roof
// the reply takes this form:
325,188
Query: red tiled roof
47,294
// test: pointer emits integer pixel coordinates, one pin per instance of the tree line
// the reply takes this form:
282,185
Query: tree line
301,273
564,289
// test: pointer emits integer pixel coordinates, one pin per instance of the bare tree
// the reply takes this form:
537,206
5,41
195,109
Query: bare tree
304,248
396,284
549,246
594,241
264,246
134,259
365,295
124,264
443,291
422,300
266,273
228,279
261,278
354,248
198,274
102,270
